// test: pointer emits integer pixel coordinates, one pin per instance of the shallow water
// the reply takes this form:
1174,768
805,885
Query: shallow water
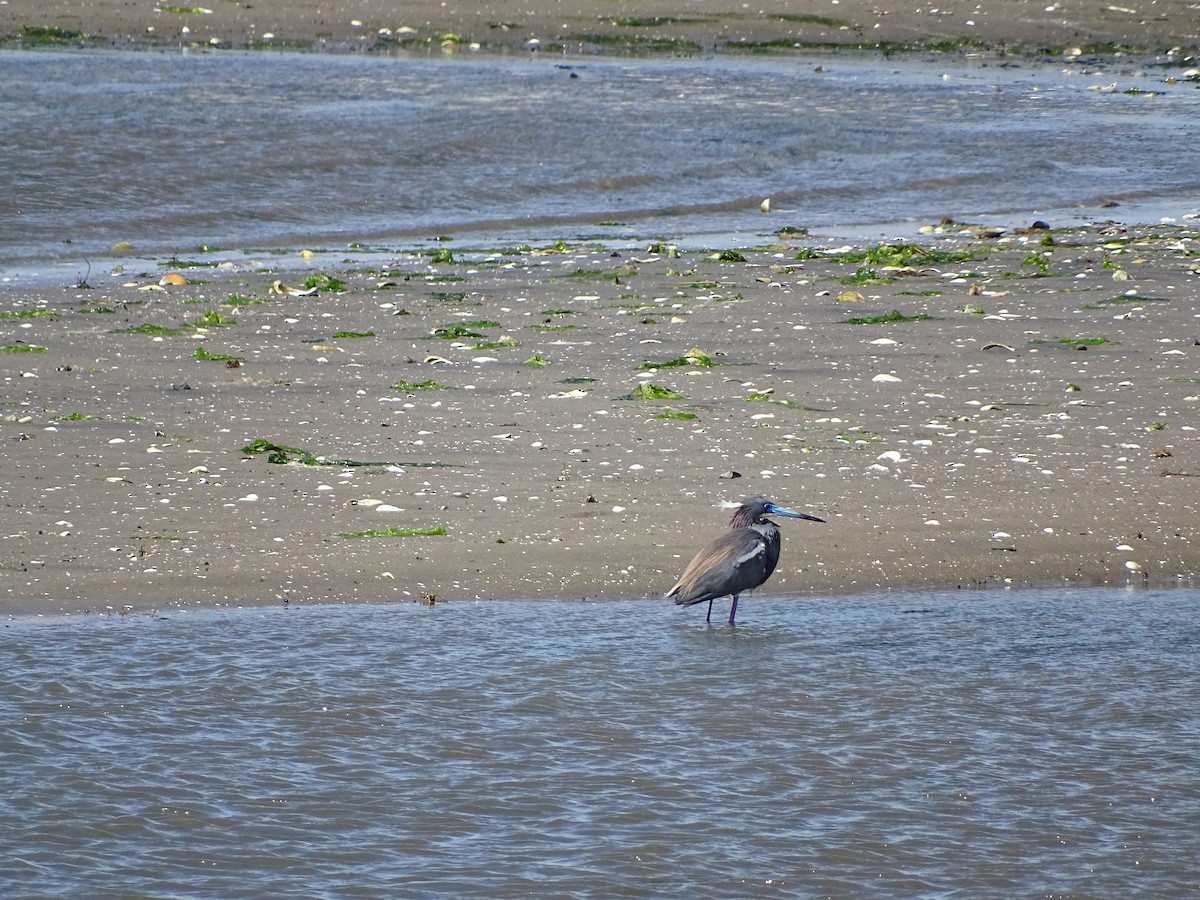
174,152
952,745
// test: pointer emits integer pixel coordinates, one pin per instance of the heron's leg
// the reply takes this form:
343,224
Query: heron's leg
733,609
708,618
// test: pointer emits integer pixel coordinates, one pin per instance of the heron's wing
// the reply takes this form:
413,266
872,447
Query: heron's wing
734,562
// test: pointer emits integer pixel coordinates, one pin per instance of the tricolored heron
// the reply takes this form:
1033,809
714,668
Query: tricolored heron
739,560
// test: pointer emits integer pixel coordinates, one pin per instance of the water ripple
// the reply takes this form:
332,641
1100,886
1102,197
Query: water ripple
952,745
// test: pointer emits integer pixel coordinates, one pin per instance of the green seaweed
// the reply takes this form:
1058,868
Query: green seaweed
647,391
202,354
866,275
895,255
324,282
448,296
894,316
691,358
634,45
677,414
436,531
599,275
213,319
1084,341
656,21
1038,261
174,263
550,329
455,332
49,36
353,334
281,454
428,385
28,314
810,19
538,362
1122,299
501,344
21,348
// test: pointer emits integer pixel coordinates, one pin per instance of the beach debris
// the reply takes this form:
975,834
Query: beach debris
693,357
281,454
850,297
436,531
278,287
434,359
888,318
648,391
173,278
730,475
765,206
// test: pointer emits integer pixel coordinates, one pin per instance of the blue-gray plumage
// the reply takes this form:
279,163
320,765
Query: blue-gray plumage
739,560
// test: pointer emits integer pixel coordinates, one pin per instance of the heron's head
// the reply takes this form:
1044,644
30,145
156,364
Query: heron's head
755,511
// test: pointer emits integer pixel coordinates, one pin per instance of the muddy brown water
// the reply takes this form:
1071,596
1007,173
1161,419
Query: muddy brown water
1033,743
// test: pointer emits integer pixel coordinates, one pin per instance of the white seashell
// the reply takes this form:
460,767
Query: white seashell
982,451
1132,566
884,341
1000,535
117,441
485,359
763,416
893,455
249,498
501,499
618,509
1124,547
884,377
387,508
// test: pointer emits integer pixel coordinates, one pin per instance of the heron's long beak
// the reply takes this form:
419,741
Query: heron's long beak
790,513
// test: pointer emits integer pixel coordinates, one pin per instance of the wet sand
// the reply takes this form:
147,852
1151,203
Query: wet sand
1034,423
1026,423
647,26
